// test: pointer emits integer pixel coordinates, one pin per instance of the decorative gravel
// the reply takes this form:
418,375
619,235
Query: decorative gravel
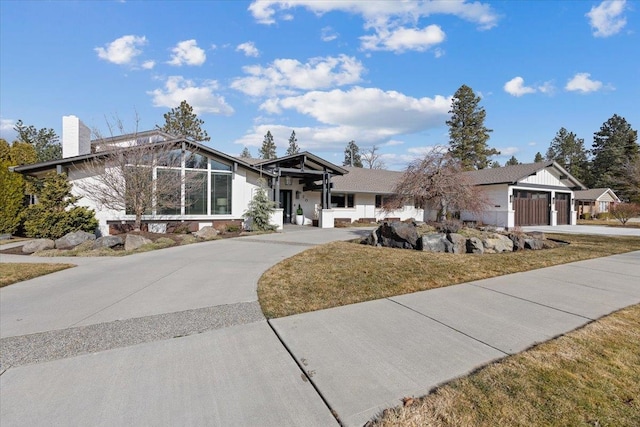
63,343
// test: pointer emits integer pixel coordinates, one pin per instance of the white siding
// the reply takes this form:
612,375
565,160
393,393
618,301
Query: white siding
543,177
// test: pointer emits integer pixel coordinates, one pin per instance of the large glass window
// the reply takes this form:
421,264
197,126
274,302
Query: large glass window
138,189
220,194
340,200
217,166
168,191
195,160
195,193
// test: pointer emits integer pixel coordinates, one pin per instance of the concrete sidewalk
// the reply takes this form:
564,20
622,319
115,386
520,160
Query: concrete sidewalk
366,357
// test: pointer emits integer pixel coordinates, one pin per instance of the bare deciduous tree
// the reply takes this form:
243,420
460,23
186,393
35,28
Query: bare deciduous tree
373,158
142,177
437,181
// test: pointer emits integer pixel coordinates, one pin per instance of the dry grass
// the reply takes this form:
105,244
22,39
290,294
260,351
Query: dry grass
11,273
343,273
589,377
608,223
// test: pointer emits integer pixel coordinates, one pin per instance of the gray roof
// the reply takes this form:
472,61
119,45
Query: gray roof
379,181
69,161
594,194
360,180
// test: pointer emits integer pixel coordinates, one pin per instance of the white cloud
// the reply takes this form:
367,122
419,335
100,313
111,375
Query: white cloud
202,98
508,151
187,52
7,124
288,76
374,114
391,21
264,11
148,65
402,39
606,19
122,50
581,82
368,115
516,87
438,52
328,34
249,49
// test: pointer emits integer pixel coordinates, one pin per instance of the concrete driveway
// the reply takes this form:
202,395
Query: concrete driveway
585,229
171,337
177,337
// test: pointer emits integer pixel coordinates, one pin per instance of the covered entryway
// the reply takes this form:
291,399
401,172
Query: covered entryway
563,208
531,207
286,205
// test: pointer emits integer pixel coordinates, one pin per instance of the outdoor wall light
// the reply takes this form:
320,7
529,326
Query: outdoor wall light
287,180
510,198
297,195
553,200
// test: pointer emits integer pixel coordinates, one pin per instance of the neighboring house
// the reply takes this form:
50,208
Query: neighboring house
595,201
528,194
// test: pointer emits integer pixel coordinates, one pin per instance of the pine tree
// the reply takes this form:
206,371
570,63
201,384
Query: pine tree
352,155
615,145
268,149
293,144
44,141
246,154
260,209
568,151
468,135
495,164
512,161
538,158
182,121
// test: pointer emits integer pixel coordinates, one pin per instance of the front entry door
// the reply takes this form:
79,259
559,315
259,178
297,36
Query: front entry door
286,205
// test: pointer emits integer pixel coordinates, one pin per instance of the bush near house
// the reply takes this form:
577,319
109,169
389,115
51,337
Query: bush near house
54,216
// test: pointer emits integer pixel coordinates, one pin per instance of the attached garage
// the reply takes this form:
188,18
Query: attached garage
526,195
563,208
531,207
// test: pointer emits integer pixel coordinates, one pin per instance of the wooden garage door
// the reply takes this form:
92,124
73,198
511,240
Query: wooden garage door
531,207
563,207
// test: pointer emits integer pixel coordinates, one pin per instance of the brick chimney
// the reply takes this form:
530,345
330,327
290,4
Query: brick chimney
76,137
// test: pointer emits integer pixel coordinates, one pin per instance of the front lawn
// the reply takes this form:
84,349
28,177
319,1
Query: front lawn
11,273
588,377
342,273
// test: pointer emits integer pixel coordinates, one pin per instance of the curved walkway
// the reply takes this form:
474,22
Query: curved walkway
177,337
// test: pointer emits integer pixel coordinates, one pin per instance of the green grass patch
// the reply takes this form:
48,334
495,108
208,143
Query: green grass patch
342,273
11,273
588,377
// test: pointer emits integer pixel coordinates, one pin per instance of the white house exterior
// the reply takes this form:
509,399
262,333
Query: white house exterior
528,194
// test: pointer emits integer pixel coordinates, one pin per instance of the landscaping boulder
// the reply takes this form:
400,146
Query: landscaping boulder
497,243
371,239
475,246
533,244
38,245
434,242
108,242
71,240
134,241
399,235
207,232
458,243
518,241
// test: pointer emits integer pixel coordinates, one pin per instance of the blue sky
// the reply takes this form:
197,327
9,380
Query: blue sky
378,72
